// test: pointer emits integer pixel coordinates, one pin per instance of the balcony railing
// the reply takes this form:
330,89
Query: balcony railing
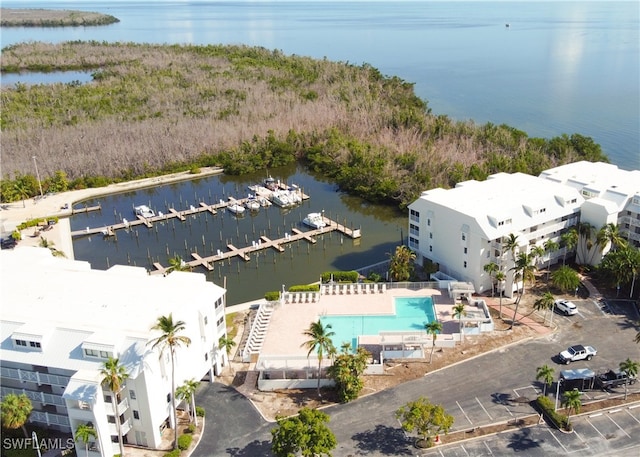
122,407
124,428
34,376
34,396
49,419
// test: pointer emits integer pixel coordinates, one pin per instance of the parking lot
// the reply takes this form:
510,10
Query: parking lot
611,433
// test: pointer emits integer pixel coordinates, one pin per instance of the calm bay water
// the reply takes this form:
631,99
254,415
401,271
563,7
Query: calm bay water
560,67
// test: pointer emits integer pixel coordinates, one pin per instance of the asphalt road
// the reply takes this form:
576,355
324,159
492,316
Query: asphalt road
488,389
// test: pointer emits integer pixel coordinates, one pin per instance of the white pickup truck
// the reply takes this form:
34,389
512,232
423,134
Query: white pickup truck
577,352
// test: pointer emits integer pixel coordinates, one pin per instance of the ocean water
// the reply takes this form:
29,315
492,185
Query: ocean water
559,67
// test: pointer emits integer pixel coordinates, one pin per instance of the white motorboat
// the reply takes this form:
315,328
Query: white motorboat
281,198
263,201
252,204
144,211
235,208
314,220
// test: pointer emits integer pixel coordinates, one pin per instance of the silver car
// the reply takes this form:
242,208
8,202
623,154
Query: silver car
566,307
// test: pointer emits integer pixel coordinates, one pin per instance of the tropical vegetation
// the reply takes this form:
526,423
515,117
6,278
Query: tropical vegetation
180,107
545,373
307,434
15,411
572,401
402,264
114,376
187,392
433,328
85,433
630,369
170,339
319,342
424,418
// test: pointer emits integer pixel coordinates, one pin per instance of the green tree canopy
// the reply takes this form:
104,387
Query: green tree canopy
320,342
307,433
424,418
630,368
347,371
565,278
15,411
401,266
545,372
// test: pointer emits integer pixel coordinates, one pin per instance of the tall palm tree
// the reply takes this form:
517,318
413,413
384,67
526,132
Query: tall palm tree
537,252
22,191
610,234
550,247
546,303
320,342
500,277
630,368
569,240
511,244
170,339
587,239
114,376
187,392
84,433
525,270
458,313
401,264
491,268
227,344
15,412
545,372
571,400
433,328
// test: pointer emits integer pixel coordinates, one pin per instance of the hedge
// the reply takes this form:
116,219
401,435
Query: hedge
340,276
305,288
548,409
272,296
174,453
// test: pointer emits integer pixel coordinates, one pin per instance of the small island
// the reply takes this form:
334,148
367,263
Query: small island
28,17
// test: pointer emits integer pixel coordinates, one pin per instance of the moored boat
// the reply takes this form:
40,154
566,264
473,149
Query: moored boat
144,211
281,198
252,204
314,220
235,208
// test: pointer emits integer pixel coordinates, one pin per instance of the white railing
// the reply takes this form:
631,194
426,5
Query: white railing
34,376
49,418
45,399
257,332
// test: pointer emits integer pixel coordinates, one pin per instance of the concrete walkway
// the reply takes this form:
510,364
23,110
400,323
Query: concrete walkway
521,319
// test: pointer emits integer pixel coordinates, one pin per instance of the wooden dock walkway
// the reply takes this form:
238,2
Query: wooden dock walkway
262,244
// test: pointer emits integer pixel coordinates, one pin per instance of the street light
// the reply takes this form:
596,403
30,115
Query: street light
37,174
557,393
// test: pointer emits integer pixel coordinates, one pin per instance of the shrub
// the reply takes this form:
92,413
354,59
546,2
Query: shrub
272,296
340,276
190,428
16,235
305,288
199,411
547,407
194,170
184,441
174,453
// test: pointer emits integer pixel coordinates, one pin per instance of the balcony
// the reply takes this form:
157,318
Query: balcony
122,407
124,428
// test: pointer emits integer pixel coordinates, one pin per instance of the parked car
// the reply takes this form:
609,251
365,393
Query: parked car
8,243
612,379
566,307
577,352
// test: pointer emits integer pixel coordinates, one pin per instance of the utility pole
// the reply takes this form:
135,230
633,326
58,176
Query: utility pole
37,174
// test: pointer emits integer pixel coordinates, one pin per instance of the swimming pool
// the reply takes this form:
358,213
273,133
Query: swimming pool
411,314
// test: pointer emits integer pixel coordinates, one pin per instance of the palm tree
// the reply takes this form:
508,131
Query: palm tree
571,401
545,302
511,244
84,433
433,328
545,372
610,234
177,264
22,191
550,247
114,375
630,368
569,240
565,278
187,392
525,269
170,339
458,313
45,243
537,252
491,268
15,411
320,341
226,343
401,264
500,277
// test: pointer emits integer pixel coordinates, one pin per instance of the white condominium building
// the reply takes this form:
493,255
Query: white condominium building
61,321
464,228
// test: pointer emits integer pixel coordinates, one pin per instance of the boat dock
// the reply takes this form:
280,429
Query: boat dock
110,230
263,243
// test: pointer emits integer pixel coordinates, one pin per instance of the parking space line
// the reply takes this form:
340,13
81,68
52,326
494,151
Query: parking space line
465,414
632,416
465,451
623,430
595,428
578,435
488,448
481,406
558,441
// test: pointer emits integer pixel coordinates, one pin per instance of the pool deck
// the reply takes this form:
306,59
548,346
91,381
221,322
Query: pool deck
285,333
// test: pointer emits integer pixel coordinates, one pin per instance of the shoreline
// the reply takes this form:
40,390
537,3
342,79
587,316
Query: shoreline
14,213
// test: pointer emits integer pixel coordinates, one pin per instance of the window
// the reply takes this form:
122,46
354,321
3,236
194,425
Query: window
429,222
21,343
414,215
111,419
465,250
136,415
464,237
132,394
107,398
91,353
414,230
168,397
34,344
220,321
105,355
218,303
430,248
465,264
206,356
430,235
206,320
413,243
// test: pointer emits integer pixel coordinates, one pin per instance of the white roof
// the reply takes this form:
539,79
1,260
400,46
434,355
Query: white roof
74,304
521,199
